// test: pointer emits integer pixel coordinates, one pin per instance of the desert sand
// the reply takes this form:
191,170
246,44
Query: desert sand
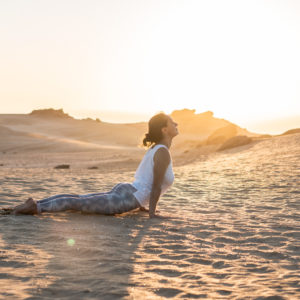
233,226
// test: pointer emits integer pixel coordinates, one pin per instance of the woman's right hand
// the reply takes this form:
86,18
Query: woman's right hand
156,216
142,208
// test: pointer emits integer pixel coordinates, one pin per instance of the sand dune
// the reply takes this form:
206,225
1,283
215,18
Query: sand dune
27,132
83,130
235,141
292,131
51,131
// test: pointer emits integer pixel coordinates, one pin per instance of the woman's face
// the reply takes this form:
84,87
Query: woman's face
171,128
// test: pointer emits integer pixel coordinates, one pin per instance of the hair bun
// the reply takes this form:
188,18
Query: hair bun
146,140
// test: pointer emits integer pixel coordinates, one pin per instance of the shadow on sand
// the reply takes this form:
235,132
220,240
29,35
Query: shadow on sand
70,255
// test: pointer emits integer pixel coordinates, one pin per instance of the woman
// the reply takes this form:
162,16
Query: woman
152,178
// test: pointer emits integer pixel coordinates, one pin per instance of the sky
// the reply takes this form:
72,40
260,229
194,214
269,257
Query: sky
125,60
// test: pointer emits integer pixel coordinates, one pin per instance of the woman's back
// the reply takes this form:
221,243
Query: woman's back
144,176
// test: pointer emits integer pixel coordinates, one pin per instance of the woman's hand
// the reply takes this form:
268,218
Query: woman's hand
142,208
156,216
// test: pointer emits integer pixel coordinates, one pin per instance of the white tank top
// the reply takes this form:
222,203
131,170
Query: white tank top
144,176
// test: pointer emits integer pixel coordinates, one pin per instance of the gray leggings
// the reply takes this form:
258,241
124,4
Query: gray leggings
119,200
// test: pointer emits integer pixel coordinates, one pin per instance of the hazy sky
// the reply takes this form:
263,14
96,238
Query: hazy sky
239,59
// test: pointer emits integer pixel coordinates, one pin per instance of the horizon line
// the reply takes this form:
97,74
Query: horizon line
125,117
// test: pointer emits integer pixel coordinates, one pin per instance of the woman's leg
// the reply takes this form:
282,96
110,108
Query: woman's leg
120,199
76,195
59,196
73,196
31,207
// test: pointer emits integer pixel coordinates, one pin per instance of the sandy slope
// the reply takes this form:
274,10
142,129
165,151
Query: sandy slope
57,127
35,138
233,233
67,130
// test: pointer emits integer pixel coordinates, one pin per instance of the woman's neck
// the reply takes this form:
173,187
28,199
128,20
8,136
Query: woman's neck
167,142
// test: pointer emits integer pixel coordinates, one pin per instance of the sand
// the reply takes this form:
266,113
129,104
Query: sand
232,232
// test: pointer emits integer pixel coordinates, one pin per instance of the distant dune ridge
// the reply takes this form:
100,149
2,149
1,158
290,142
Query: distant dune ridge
50,130
292,131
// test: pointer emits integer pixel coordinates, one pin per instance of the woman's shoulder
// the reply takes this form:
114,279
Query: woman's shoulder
162,154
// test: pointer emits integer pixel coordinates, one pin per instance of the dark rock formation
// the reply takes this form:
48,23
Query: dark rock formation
62,167
50,113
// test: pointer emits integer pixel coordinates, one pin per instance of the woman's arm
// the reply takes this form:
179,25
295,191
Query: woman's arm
161,161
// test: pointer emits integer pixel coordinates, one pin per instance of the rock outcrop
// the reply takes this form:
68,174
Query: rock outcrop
291,131
50,113
222,134
203,125
235,141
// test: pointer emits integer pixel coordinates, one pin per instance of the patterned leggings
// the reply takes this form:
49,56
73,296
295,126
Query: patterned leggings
119,200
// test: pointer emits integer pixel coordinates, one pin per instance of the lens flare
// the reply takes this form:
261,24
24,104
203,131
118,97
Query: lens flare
71,242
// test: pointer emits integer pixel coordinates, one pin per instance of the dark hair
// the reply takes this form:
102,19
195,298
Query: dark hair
155,124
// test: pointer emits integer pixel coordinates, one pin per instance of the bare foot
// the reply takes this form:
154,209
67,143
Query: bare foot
27,208
6,211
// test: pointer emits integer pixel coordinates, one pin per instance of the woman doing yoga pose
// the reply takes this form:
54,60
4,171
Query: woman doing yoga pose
153,177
